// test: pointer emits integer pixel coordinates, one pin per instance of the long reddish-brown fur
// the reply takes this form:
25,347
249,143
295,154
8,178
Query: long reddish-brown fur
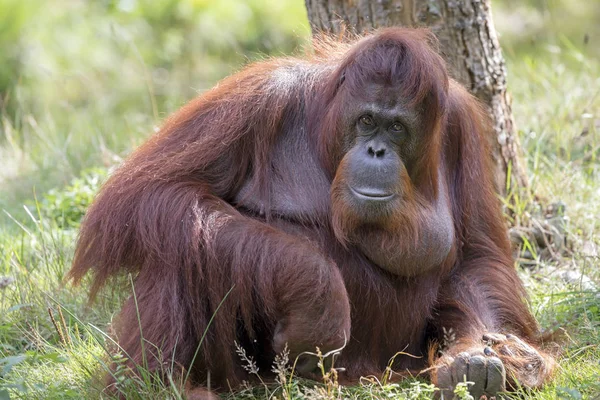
175,215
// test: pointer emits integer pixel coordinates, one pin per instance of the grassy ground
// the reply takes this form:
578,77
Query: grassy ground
52,344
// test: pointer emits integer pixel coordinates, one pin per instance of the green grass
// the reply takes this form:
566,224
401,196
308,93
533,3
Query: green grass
77,108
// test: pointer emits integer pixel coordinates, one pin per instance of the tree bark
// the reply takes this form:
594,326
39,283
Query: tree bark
469,44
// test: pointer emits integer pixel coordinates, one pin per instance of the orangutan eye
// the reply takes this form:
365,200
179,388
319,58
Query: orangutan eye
367,120
397,127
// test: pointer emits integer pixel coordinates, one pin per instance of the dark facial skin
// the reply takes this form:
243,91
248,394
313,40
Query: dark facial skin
394,225
382,137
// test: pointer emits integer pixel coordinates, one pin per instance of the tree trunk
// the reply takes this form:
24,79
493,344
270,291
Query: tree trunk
469,44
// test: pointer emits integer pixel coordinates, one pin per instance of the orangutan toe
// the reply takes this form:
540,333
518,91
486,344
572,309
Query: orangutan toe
484,374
